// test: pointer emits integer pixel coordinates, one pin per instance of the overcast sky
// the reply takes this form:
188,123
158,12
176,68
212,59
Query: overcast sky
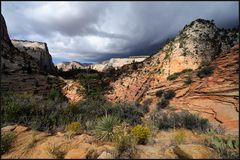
95,31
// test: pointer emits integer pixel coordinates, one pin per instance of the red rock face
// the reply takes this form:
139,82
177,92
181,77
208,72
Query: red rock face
214,97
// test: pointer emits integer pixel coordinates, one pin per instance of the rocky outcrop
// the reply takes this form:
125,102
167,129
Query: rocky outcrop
20,71
192,151
66,66
70,90
199,43
117,63
39,51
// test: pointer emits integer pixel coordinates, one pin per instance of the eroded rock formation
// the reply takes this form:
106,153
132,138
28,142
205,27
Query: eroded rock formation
39,51
201,42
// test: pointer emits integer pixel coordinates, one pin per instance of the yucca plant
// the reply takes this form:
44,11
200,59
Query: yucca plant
105,125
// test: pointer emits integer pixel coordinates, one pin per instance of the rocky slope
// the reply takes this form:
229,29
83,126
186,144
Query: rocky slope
39,51
117,63
66,66
21,72
199,43
35,144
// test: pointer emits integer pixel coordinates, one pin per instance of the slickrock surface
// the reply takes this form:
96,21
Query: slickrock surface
215,97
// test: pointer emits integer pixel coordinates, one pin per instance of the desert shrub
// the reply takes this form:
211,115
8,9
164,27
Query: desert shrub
228,147
173,76
162,103
145,106
104,127
40,114
179,137
184,119
159,93
169,94
177,74
129,113
188,80
141,134
123,141
205,71
56,151
53,94
32,141
15,105
74,127
6,141
89,125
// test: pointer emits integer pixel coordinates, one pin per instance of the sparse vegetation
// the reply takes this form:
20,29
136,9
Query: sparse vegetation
205,71
56,151
74,127
227,147
187,80
141,134
179,137
6,141
169,94
32,141
177,74
123,140
184,119
104,127
159,93
162,103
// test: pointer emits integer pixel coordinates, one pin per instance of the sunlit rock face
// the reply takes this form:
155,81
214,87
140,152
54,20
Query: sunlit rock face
117,63
199,43
37,50
66,66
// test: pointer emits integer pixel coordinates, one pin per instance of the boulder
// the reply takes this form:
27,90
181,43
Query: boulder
106,155
20,129
8,128
194,151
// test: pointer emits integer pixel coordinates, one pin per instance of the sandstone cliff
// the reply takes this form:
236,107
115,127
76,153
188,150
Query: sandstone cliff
66,66
199,43
117,63
20,71
39,51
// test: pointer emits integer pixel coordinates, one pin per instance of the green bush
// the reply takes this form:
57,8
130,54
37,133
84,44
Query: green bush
169,94
40,114
74,127
228,147
104,127
205,71
188,80
53,94
130,113
173,76
123,141
184,119
177,74
6,140
141,134
162,103
159,93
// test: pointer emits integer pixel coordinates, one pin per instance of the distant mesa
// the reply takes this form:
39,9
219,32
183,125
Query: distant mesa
117,63
39,51
66,66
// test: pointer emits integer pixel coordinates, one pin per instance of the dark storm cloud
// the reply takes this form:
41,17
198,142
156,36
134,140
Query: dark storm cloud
95,31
